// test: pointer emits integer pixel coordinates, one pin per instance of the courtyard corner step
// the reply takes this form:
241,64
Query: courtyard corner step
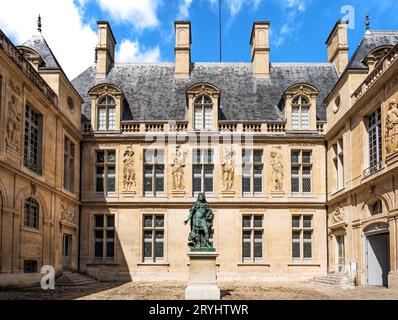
332,279
72,279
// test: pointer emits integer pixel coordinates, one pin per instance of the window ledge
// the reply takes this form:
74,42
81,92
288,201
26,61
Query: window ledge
337,191
110,263
153,264
253,264
32,230
303,264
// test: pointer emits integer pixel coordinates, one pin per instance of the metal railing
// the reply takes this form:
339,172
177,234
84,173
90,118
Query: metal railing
373,169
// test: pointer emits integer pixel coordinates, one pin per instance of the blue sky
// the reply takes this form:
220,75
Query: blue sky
144,28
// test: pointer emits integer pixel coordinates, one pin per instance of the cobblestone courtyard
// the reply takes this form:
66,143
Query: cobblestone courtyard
229,291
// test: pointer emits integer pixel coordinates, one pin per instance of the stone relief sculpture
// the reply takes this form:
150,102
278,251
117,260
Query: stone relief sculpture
13,125
392,128
337,215
177,169
228,170
277,174
128,169
201,218
68,211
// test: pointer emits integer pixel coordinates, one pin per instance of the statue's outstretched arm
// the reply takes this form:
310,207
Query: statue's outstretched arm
190,214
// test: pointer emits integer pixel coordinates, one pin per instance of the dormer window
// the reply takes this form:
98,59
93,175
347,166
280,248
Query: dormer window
203,108
106,105
106,109
301,113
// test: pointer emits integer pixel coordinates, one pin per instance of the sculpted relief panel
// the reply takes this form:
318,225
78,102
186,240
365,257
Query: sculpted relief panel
129,174
228,170
68,211
337,215
177,169
277,173
13,124
391,133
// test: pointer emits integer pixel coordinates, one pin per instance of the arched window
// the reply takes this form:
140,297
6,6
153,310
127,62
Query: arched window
106,108
203,117
31,214
300,112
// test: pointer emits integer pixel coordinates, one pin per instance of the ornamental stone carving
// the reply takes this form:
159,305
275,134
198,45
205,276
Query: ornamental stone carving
277,174
337,215
391,135
13,125
68,211
228,169
129,179
177,169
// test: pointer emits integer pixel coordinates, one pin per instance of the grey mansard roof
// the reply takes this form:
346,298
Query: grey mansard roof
370,41
153,93
39,44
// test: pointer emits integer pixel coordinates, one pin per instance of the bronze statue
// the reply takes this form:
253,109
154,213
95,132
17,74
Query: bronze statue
201,217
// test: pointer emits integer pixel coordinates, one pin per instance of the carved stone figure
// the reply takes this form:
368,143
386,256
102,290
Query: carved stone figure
201,218
338,215
228,170
277,174
392,128
129,170
177,169
68,211
13,125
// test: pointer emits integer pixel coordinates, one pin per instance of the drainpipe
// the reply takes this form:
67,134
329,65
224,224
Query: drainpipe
80,205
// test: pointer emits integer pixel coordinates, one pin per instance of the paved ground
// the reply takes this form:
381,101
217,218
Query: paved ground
229,291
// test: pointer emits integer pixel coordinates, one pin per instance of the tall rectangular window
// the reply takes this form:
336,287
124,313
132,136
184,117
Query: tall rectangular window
203,109
104,237
33,140
105,182
301,172
302,232
252,237
69,164
153,172
203,169
252,172
375,140
106,113
153,237
338,161
301,113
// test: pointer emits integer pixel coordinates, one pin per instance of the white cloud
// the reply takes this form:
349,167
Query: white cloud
130,51
140,13
235,6
184,9
71,41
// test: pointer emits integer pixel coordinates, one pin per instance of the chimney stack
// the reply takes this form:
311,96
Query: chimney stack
337,44
182,49
259,42
105,50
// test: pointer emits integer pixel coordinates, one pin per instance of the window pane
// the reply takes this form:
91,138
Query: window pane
306,184
110,235
148,249
258,244
148,156
307,222
111,118
111,221
159,156
98,251
208,184
305,123
307,250
99,221
198,118
246,183
296,250
295,184
209,169
159,221
100,156
159,251
307,235
258,221
197,184
258,170
296,235
99,235
247,222
147,221
208,118
209,156
258,184
196,154
295,118
102,118
110,249
258,156
111,183
295,156
306,157
296,221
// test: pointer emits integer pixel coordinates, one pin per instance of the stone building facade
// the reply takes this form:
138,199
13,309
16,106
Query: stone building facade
257,138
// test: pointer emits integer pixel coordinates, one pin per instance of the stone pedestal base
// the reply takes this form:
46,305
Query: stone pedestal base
228,194
202,283
393,280
277,194
178,193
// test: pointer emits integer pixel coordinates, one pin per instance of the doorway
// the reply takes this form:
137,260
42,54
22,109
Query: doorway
377,259
340,253
67,252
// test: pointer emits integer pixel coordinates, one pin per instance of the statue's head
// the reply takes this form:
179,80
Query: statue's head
201,197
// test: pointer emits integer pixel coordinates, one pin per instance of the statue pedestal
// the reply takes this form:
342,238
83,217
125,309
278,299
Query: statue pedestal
178,193
228,194
202,283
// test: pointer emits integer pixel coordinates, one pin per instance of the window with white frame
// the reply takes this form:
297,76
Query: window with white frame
153,172
252,237
302,234
203,170
31,213
374,140
106,113
105,182
33,140
153,238
104,237
252,172
69,164
301,172
338,161
301,113
203,113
